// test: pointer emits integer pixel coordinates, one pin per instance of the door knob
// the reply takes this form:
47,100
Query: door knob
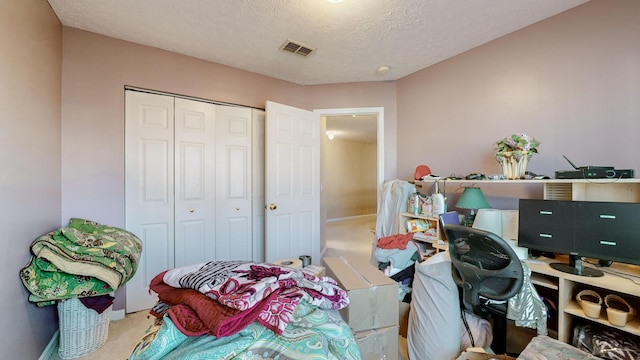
192,210
237,208
273,207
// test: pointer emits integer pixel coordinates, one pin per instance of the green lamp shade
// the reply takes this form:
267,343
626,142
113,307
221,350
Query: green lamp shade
472,198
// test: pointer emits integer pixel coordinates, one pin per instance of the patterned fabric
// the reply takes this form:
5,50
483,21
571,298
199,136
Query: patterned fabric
80,260
605,342
526,308
243,285
543,347
311,334
194,313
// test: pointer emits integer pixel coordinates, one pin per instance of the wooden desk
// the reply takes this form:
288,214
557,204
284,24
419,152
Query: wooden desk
568,285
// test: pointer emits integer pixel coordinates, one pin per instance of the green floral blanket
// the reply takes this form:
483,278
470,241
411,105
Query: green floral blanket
80,260
312,334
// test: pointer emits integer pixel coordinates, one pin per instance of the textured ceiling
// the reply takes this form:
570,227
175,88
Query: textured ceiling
351,38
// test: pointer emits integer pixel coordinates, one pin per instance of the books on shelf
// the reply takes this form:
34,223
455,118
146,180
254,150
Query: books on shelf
422,236
416,225
450,217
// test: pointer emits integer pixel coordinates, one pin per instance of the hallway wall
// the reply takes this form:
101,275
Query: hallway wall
349,178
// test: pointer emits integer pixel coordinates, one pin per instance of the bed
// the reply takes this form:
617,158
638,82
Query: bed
246,310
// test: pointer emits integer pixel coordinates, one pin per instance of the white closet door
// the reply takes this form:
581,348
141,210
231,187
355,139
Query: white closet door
234,238
149,184
195,182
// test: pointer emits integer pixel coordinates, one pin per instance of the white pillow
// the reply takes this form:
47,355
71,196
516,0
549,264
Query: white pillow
434,320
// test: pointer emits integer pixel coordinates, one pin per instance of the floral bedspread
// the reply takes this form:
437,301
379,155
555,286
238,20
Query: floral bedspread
82,259
244,285
311,334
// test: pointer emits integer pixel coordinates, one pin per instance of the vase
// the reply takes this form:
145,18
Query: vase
514,163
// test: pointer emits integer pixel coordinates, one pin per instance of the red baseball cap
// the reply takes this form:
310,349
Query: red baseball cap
421,170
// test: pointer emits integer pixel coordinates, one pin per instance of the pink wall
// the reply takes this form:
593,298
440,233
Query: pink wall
572,82
30,73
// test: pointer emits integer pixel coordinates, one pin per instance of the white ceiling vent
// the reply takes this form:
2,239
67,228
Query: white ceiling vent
296,48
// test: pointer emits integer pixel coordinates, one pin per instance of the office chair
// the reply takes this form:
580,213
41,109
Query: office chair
488,272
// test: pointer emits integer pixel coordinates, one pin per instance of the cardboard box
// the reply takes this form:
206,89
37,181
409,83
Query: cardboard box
403,310
378,344
373,297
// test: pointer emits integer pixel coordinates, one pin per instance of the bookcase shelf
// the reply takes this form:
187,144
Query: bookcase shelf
435,240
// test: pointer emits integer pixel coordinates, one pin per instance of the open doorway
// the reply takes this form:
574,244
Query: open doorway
348,152
352,168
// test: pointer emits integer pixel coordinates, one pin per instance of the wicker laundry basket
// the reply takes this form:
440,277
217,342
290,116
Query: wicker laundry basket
82,330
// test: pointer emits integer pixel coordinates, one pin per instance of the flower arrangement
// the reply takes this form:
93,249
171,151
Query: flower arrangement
514,153
518,142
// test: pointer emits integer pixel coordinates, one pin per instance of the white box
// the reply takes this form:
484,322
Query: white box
373,297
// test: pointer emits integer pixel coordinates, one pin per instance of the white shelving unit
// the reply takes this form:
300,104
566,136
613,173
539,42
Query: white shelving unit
568,286
436,241
620,190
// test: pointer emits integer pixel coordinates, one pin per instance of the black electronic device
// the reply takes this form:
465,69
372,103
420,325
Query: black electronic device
593,172
607,231
590,167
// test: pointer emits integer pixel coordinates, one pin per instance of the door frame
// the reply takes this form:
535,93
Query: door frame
379,113
374,111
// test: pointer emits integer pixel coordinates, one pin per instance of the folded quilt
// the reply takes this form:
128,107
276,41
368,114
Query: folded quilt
274,290
82,259
194,313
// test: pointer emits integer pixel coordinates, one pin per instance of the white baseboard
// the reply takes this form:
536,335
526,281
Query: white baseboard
52,348
117,314
350,217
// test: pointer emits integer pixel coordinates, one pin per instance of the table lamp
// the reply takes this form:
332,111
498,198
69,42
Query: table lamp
472,198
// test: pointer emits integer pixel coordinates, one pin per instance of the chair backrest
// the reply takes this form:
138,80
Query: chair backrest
483,264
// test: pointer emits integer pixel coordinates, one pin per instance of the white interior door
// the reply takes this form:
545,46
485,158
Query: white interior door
195,182
292,183
233,183
149,184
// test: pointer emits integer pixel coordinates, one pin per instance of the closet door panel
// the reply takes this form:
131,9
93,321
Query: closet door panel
233,183
149,184
257,193
194,182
